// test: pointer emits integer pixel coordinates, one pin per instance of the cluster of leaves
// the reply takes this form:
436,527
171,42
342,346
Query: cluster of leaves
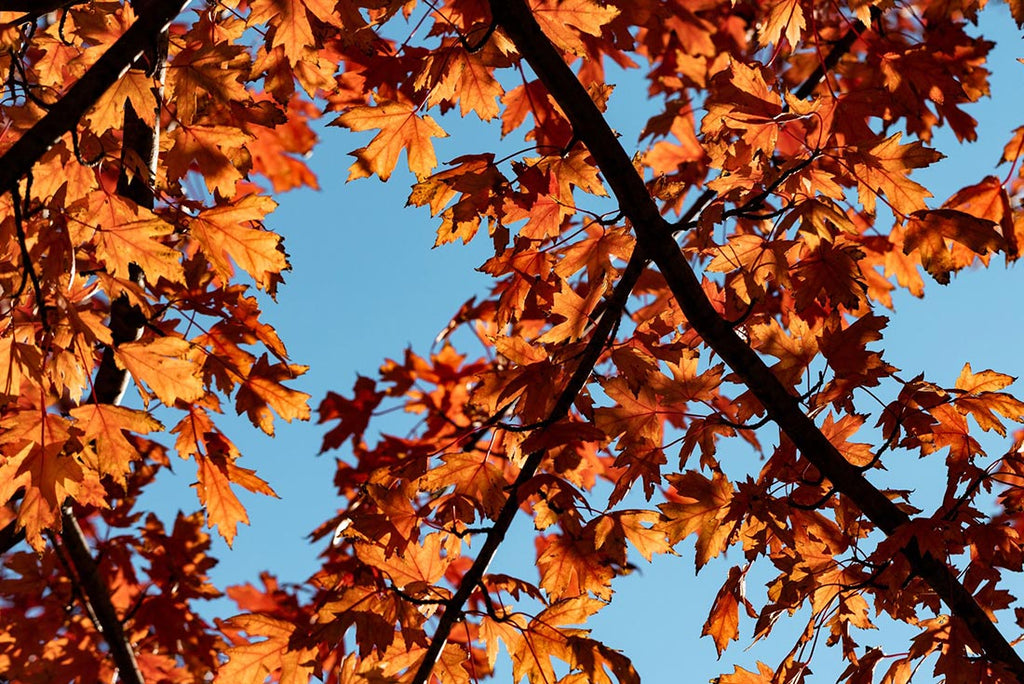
767,219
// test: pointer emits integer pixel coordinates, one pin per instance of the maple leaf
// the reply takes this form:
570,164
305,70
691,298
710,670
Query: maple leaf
235,231
988,200
464,75
637,416
201,72
218,150
401,127
262,391
474,477
34,447
165,366
978,397
587,16
126,234
420,566
927,232
223,509
569,568
758,260
884,169
135,87
785,16
637,527
739,675
702,508
574,311
353,414
112,454
252,663
723,621
289,21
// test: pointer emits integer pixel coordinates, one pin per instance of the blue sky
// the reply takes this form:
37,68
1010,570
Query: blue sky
366,284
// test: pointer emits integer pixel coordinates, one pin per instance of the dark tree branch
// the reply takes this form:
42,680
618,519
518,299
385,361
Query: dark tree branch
18,160
140,148
654,237
496,535
97,595
146,38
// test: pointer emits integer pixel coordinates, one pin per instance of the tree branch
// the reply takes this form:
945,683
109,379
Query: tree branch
97,594
147,37
588,359
140,142
18,160
654,236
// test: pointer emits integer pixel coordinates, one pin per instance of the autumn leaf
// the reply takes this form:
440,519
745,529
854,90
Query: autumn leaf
722,624
739,675
164,365
401,127
569,568
223,509
289,22
785,17
702,507
126,234
236,231
927,232
885,169
218,150
135,87
112,454
979,396
419,566
586,16
264,390
251,663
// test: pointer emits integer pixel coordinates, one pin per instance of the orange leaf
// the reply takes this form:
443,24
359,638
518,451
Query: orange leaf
785,16
401,127
219,151
136,87
701,506
263,391
885,168
927,232
104,424
223,509
164,366
559,18
124,234
421,565
235,231
723,621
764,675
252,663
569,568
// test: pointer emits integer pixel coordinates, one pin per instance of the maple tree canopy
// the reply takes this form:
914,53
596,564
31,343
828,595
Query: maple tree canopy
656,304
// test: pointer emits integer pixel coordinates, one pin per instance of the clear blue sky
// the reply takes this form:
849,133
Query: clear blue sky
366,284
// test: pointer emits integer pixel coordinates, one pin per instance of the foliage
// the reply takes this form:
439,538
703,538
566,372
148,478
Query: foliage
721,284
